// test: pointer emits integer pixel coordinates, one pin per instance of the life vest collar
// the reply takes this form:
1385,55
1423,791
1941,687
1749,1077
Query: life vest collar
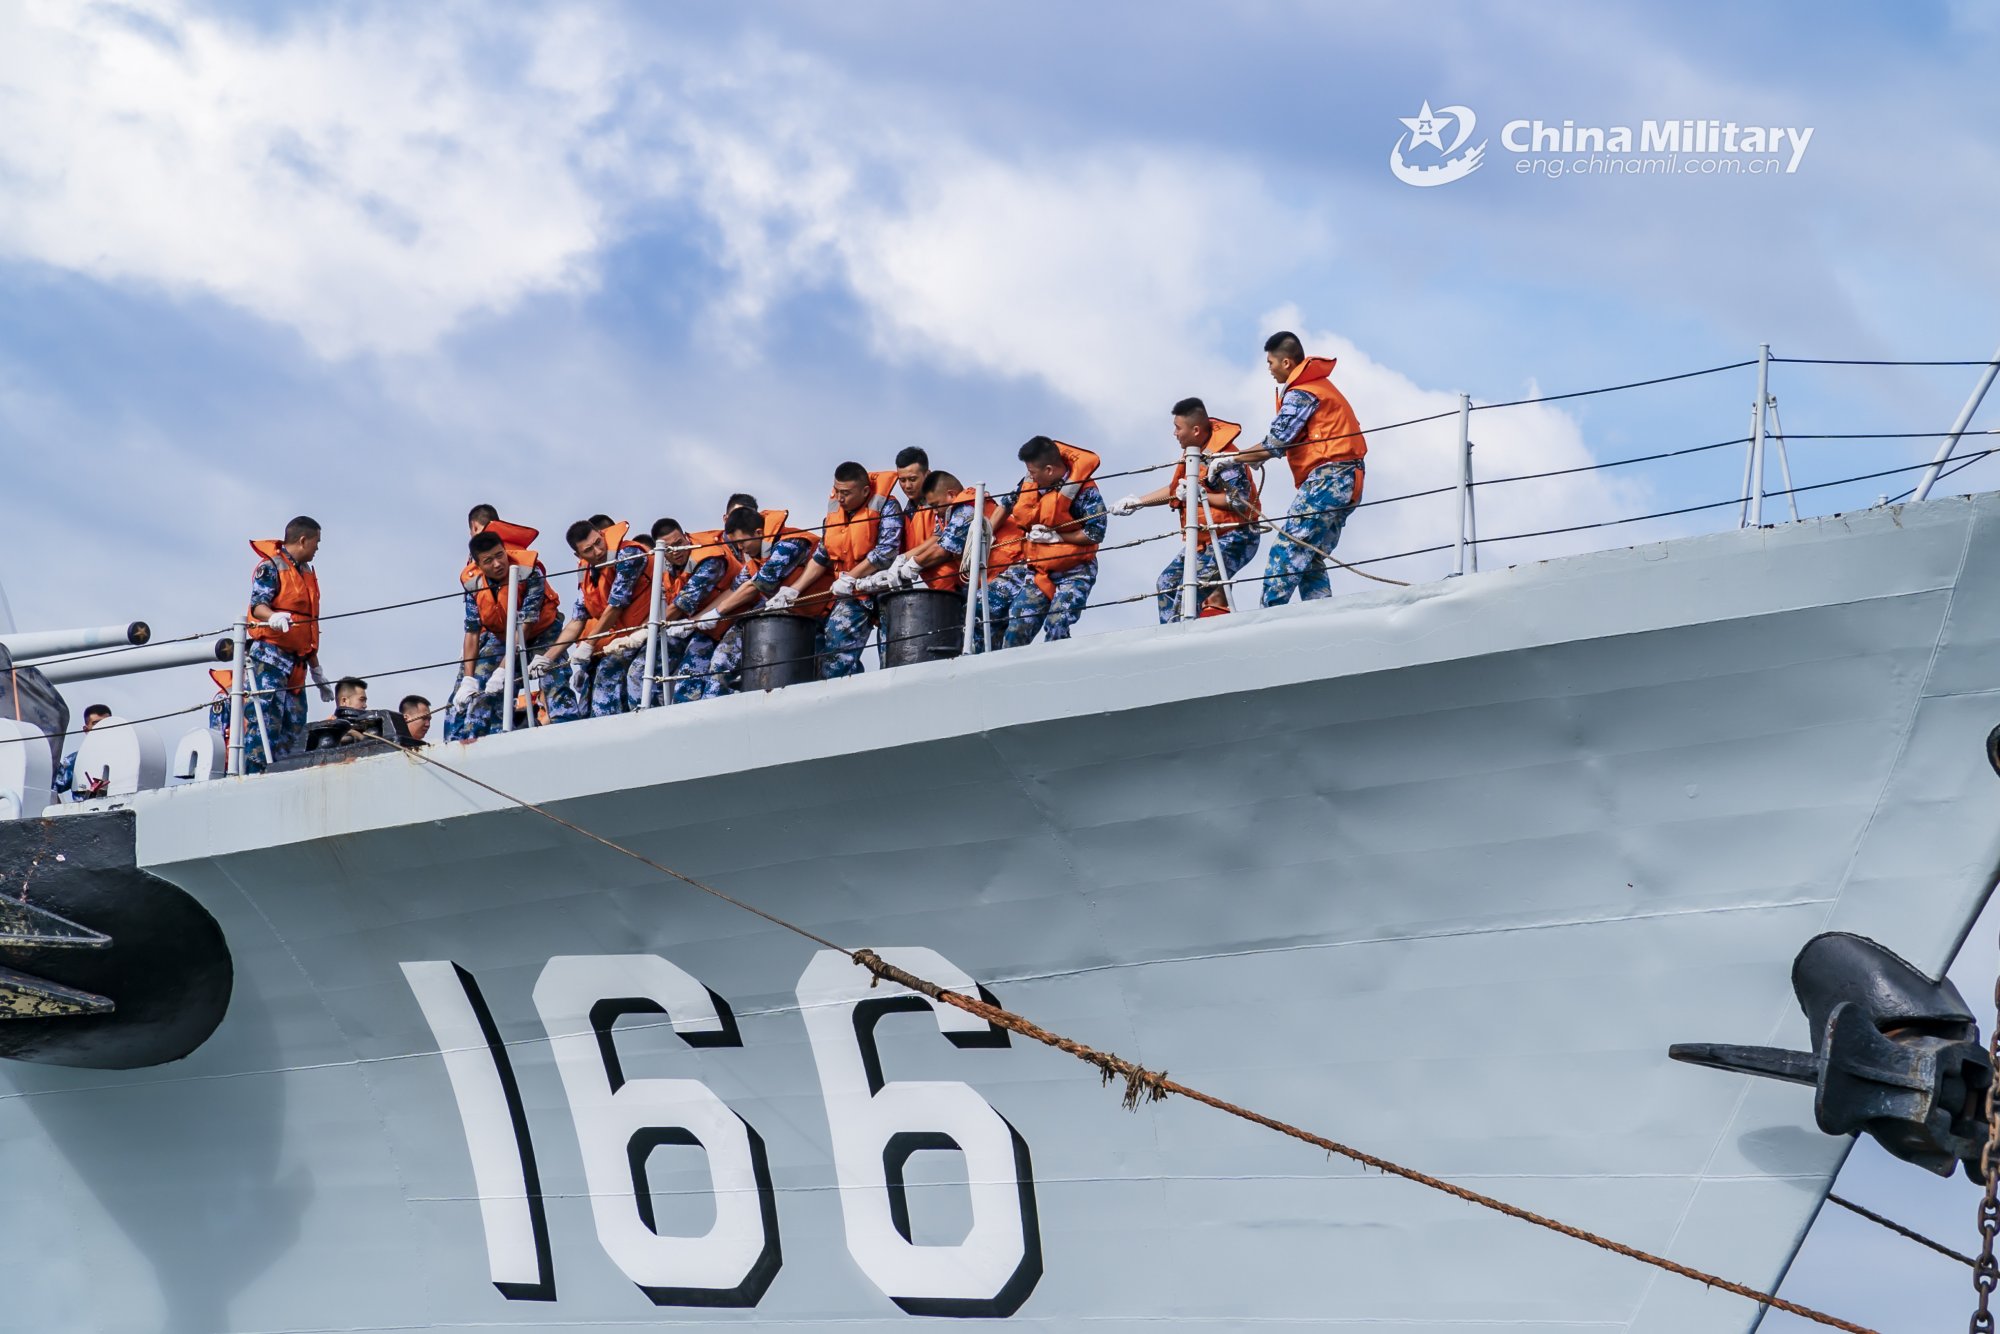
513,534
1312,368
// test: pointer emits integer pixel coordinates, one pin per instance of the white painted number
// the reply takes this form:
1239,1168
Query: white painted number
496,1130
620,1121
877,1124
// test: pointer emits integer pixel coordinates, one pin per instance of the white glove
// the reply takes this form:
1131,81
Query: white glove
319,680
280,621
679,630
496,684
782,599
846,585
1041,532
539,668
579,653
707,622
1127,507
624,643
467,690
882,581
904,571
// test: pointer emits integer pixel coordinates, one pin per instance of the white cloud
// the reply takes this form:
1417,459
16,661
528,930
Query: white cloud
349,178
377,181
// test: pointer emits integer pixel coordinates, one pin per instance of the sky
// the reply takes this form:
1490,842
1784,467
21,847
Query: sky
378,262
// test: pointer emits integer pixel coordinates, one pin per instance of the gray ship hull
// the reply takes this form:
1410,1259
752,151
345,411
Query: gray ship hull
1439,872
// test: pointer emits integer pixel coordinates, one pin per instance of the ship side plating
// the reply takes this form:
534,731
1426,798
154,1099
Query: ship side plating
1441,872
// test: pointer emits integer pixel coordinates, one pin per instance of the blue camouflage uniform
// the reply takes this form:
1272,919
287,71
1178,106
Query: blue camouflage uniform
1016,597
482,716
274,714
1236,546
603,689
692,655
719,678
844,632
1319,511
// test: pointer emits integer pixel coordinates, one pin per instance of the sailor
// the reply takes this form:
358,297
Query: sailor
937,561
606,636
912,466
1317,433
66,771
1225,528
1045,547
863,536
481,518
770,552
701,569
284,644
475,699
350,695
416,711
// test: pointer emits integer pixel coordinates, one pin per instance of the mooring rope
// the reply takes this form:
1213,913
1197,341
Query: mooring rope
1141,1084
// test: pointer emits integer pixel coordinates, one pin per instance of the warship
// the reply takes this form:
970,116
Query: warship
410,1042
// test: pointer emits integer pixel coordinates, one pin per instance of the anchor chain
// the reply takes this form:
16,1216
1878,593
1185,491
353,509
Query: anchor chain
1986,1272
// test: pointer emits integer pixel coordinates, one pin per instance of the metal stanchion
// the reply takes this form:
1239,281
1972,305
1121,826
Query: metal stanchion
1464,480
511,648
1757,436
974,564
656,607
236,675
1190,528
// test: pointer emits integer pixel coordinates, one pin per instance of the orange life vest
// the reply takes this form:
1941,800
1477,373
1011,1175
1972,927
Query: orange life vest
222,677
1221,440
597,581
298,593
492,602
1331,434
949,577
706,545
776,530
1032,505
513,534
850,537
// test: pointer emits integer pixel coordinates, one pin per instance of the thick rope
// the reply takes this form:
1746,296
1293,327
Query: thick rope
1141,1084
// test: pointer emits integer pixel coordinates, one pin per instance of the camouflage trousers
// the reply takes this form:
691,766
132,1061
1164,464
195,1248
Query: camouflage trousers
272,714
1237,547
614,680
671,652
1016,601
842,636
482,716
708,667
1319,511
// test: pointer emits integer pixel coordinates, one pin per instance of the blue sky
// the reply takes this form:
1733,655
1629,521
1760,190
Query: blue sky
376,262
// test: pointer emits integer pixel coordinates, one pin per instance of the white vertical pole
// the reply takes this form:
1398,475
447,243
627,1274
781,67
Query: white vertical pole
1784,459
1757,437
239,670
654,611
1471,510
1191,498
1464,478
973,564
1749,462
1930,477
510,649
